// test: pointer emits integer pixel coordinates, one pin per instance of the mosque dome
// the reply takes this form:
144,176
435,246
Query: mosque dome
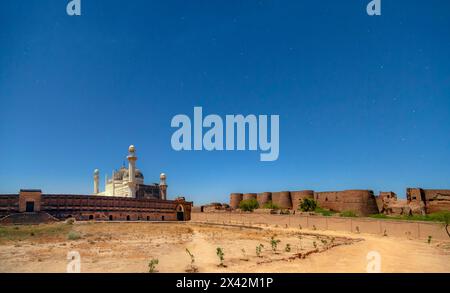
131,149
118,175
138,174
162,176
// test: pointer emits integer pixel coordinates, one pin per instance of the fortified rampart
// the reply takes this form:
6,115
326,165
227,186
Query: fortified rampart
264,198
282,199
361,202
389,228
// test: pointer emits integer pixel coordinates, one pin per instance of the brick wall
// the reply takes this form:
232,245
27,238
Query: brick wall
392,228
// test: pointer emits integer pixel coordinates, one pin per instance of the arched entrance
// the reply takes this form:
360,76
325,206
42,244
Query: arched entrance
180,213
29,206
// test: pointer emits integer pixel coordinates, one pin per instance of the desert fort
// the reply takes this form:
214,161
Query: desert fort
131,226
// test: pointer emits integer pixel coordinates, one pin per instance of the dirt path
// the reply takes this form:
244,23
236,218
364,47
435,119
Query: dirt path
128,247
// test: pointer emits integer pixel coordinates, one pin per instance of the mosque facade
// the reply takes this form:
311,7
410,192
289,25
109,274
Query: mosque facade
126,198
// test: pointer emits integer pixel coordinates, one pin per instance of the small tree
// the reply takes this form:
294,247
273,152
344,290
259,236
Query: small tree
307,205
192,267
259,250
274,243
248,205
221,255
152,265
287,248
300,240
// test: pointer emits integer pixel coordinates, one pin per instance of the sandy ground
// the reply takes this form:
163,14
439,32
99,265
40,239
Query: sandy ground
129,247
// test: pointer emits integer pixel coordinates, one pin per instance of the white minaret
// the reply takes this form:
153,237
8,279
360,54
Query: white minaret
113,184
96,177
132,170
163,186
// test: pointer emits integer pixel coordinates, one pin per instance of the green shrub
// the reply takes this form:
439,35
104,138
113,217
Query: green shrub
73,235
152,265
220,255
271,205
308,205
348,214
442,217
324,212
248,205
259,250
274,243
287,248
378,216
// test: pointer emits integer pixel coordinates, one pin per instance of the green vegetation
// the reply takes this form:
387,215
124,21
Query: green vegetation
24,232
249,205
308,205
152,265
73,235
274,243
323,212
259,250
443,217
220,255
287,248
271,205
348,214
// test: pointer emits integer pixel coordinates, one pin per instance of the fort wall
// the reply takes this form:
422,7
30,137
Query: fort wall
248,196
86,207
282,199
390,228
264,198
298,196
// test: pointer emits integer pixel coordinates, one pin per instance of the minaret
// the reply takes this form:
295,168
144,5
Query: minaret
131,170
113,185
163,186
96,176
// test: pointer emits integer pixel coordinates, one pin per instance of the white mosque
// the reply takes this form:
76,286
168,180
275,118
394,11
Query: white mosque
129,182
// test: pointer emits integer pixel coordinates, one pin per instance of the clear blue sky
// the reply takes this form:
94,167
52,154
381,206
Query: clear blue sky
364,102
